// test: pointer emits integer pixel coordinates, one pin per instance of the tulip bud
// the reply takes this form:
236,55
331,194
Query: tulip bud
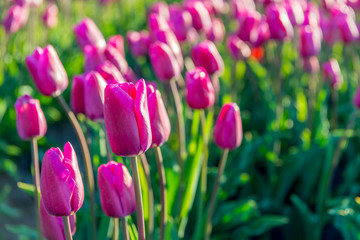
356,100
201,19
228,128
87,33
30,119
217,32
77,94
110,73
160,56
238,49
332,73
93,57
310,41
138,43
94,96
248,20
52,227
130,76
311,64
15,18
117,42
260,34
50,17
348,29
311,14
295,12
115,57
127,118
180,22
159,119
47,71
160,8
279,22
61,185
199,89
117,194
207,56
157,22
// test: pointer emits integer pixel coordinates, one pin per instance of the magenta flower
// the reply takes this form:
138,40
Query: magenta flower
217,31
356,100
332,73
114,56
295,12
94,96
248,20
180,22
61,185
207,56
47,71
157,22
117,42
30,119
16,17
93,57
279,22
160,8
238,49
127,118
87,33
50,16
110,73
138,42
77,94
310,41
201,19
311,64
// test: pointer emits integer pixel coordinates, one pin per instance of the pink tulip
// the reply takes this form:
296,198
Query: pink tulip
238,6
159,119
117,42
52,227
295,12
15,18
311,14
311,64
130,76
157,22
93,57
201,19
160,56
356,100
77,94
279,22
199,89
117,194
50,16
260,34
207,56
110,73
87,33
47,71
310,41
160,8
332,73
228,128
30,119
238,49
115,57
127,118
248,21
180,22
138,43
61,185
217,32
94,96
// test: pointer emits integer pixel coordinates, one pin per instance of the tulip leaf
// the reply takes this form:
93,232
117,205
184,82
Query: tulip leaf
22,231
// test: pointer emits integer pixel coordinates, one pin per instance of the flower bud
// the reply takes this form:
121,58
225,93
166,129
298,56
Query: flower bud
30,119
138,42
279,22
117,42
228,128
310,41
15,18
260,34
94,96
61,185
110,73
93,57
217,32
332,73
295,12
207,56
356,100
160,8
115,57
127,118
130,76
159,119
248,20
47,71
199,89
157,22
77,94
180,22
87,33
201,19
238,49
50,17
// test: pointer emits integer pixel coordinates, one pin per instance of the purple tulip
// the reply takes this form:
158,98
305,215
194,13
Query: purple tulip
127,118
207,56
130,76
238,6
114,56
180,22
93,57
160,8
110,73
77,94
279,22
50,16
310,41
94,96
332,73
117,42
217,32
260,34
157,22
15,18
248,20
295,12
117,194
311,14
200,92
159,119
47,71
201,19
87,33
238,49
138,42
228,128
52,227
61,185
356,100
30,119
160,56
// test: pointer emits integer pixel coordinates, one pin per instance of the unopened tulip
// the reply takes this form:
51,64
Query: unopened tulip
310,41
180,22
332,73
238,49
356,100
236,6
87,33
279,22
199,89
77,94
163,61
260,34
15,18
201,19
138,42
311,14
52,227
94,96
117,42
130,76
348,29
295,12
157,22
217,32
228,128
216,6
93,57
117,194
30,119
61,185
159,119
127,118
50,17
110,73
114,56
160,8
207,56
248,20
47,71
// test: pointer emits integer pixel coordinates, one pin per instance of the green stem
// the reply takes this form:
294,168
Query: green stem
214,194
334,108
312,100
87,160
162,180
67,229
139,204
115,235
107,144
35,158
124,229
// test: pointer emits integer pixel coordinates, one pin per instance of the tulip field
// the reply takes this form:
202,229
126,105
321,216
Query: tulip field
179,119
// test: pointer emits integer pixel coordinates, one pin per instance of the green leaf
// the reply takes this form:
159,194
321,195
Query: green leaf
22,230
262,224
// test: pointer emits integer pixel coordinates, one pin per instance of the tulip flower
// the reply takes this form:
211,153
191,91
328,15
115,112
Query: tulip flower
260,34
77,94
114,56
199,89
310,41
159,119
110,73
93,57
201,19
130,76
332,73
47,71
61,185
356,100
87,33
157,22
180,22
238,49
207,56
50,17
228,128
117,42
160,56
217,32
160,8
52,227
311,14
279,22
295,12
116,189
127,118
138,42
236,7
16,17
248,20
30,119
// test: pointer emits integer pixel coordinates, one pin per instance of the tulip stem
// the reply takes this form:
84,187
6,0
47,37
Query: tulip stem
214,193
36,176
312,101
146,168
162,180
87,160
139,204
67,229
334,108
107,145
115,235
125,230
